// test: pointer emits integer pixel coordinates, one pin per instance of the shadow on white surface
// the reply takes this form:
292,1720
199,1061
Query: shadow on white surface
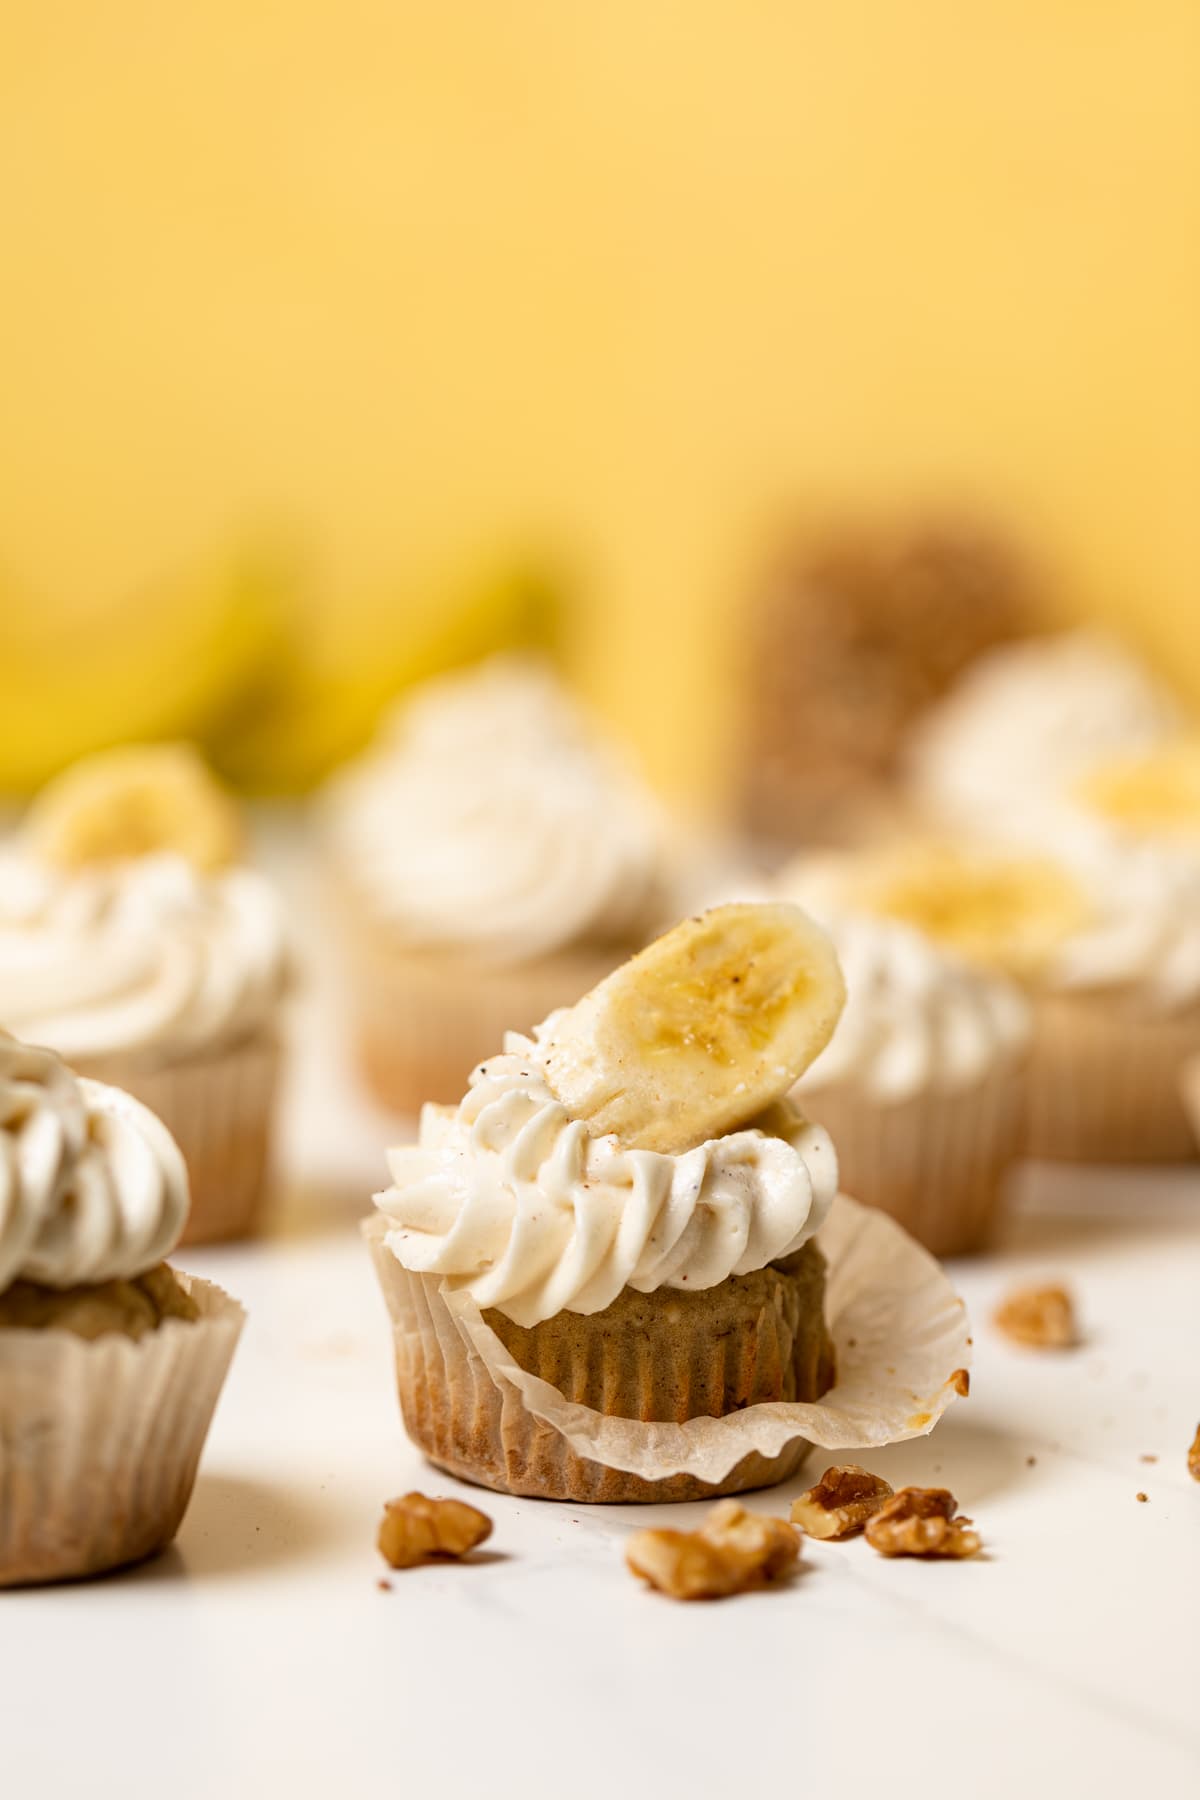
237,1526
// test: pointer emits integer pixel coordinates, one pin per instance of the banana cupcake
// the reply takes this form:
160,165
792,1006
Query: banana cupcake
111,1363
1107,947
617,1270
922,1086
490,858
134,944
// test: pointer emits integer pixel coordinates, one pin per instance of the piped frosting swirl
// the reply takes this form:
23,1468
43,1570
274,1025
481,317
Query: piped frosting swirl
508,1196
93,1187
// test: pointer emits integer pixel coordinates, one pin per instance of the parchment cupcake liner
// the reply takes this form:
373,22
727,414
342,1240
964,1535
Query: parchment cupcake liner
937,1162
424,1019
219,1108
100,1439
900,1339
1106,1082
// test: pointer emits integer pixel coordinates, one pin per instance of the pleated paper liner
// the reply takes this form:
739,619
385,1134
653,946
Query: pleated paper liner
100,1439
937,1162
899,1337
1107,1082
219,1108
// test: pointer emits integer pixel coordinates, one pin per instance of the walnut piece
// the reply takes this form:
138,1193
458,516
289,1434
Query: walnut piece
1194,1457
921,1522
732,1551
1042,1318
841,1502
415,1529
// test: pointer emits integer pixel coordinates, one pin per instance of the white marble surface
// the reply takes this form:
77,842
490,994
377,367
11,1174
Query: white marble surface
260,1656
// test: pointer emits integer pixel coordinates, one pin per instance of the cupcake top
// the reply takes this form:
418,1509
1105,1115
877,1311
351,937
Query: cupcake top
1026,722
137,958
124,929
917,1019
489,818
641,1138
92,1185
1125,921
511,1197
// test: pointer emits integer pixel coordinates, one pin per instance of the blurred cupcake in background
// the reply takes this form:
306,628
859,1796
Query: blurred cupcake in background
853,639
1106,945
491,857
134,944
1005,752
922,1086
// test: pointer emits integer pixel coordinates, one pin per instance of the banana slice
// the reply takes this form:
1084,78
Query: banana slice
1158,791
1008,912
131,802
701,1031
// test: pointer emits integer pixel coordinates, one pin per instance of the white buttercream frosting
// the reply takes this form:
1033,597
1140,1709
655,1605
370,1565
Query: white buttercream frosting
510,1198
92,1185
490,818
1145,933
916,1019
1001,753
147,957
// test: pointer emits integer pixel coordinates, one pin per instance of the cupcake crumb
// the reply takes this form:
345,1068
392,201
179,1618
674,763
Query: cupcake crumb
1040,1318
1143,1496
1148,1456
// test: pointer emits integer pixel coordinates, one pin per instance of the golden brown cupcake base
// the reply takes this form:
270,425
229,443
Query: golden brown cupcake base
937,1163
1106,1082
219,1109
131,1308
668,1356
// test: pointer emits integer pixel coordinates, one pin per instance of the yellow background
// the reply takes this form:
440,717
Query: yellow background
433,286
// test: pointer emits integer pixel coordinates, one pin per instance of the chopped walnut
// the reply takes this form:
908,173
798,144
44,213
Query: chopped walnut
1194,1457
733,1550
1043,1318
415,1529
841,1502
922,1522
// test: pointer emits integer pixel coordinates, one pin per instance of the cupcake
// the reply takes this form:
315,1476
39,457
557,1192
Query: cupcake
490,858
854,639
922,1085
617,1270
1107,947
133,943
110,1362
1000,756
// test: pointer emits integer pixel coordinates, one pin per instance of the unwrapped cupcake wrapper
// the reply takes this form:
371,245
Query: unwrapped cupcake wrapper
100,1439
900,1336
219,1108
1107,1083
935,1162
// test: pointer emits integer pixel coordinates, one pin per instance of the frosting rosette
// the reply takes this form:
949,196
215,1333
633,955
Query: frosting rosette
916,1018
144,958
514,1201
93,1187
1003,751
490,818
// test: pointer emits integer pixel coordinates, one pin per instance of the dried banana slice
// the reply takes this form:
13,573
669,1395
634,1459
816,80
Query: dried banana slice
131,802
701,1031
